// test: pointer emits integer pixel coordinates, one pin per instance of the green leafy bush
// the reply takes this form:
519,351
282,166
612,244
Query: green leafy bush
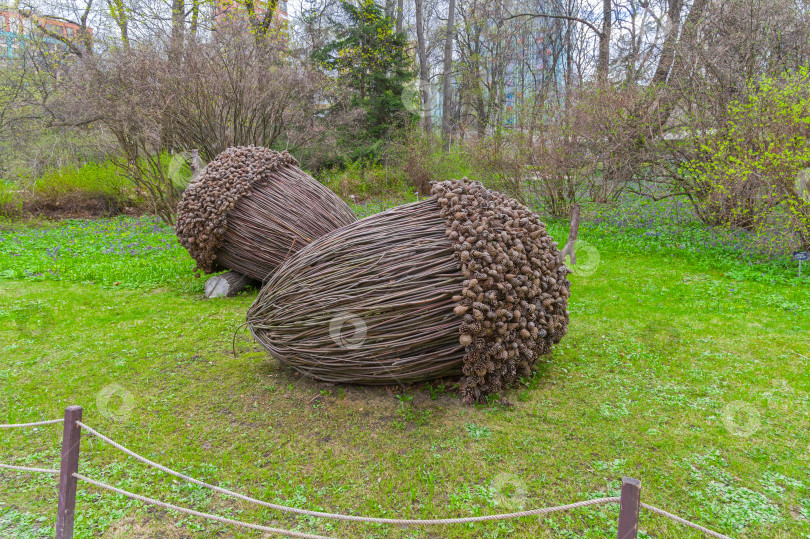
752,171
9,201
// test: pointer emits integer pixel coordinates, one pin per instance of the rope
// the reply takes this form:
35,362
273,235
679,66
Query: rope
37,424
684,522
319,514
32,470
598,501
288,533
542,511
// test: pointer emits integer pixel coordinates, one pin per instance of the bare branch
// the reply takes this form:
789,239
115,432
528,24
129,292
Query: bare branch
580,20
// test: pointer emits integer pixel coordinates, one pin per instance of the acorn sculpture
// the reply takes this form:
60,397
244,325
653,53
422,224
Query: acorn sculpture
251,208
466,282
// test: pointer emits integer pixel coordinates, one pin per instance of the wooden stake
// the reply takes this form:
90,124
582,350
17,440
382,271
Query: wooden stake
196,164
570,248
70,465
629,508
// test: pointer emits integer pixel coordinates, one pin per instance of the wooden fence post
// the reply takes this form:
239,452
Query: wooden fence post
629,508
195,164
70,464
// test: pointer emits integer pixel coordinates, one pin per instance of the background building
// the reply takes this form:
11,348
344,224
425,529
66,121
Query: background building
15,29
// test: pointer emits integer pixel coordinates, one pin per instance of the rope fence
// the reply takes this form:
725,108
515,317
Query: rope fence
336,516
31,470
209,516
629,501
683,521
37,424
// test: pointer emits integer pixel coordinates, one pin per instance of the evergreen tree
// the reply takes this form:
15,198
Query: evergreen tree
369,56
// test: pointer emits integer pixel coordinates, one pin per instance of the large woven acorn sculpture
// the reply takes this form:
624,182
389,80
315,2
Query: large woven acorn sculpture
466,282
251,208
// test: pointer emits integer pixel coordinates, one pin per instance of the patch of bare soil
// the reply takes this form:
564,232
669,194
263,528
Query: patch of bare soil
156,525
79,206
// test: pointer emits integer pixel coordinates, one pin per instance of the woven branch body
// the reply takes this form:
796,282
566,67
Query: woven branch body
252,208
369,303
464,283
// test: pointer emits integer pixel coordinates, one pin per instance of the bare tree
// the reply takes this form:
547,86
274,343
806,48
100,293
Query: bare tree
424,70
603,33
447,83
400,15
218,96
118,12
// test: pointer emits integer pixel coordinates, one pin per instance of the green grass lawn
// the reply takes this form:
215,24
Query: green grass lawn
672,373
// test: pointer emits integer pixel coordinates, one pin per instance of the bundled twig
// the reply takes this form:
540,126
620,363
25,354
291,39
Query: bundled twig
465,282
251,208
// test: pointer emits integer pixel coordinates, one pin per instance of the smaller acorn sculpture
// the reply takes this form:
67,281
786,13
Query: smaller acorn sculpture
251,208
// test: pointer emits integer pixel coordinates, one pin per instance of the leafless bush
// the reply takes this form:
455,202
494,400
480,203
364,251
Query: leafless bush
416,155
590,151
420,157
503,161
232,90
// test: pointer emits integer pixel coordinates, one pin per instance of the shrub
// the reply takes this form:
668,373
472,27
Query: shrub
235,90
364,180
589,151
10,203
751,171
92,179
503,162
422,160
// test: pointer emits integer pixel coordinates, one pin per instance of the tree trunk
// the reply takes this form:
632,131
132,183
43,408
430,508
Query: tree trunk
672,66
400,15
447,94
604,42
118,12
569,65
195,18
178,30
670,41
84,34
424,74
196,165
226,285
477,83
267,19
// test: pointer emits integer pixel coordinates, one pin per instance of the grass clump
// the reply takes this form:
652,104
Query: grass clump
90,179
